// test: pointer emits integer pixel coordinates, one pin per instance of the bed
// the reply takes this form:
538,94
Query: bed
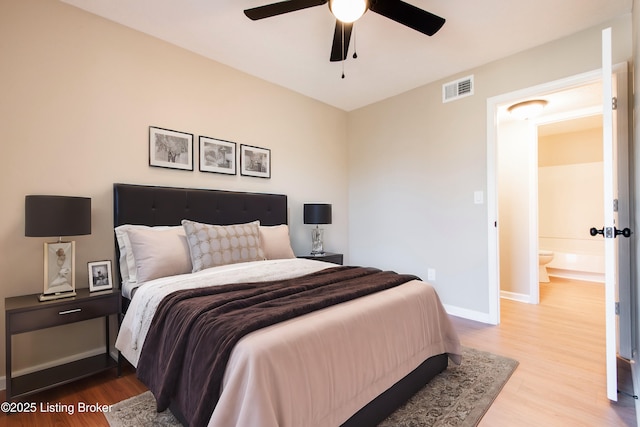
348,364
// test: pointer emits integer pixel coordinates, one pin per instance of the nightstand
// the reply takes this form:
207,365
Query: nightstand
326,257
25,313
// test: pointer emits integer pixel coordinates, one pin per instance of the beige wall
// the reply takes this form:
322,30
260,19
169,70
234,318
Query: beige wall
415,164
78,94
514,142
584,146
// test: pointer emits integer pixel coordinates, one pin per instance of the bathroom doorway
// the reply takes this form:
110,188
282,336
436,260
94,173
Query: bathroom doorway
512,145
569,103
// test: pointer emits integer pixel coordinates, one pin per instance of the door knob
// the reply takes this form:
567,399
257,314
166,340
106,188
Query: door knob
626,232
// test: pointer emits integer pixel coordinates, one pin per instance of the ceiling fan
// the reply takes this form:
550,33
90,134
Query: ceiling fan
397,10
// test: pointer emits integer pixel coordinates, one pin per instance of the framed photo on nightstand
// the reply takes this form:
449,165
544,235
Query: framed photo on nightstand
100,276
59,268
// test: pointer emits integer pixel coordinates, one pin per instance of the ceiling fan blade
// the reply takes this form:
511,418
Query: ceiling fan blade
409,15
337,46
280,8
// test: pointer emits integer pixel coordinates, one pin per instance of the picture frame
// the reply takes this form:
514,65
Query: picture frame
255,161
59,270
217,155
100,278
170,149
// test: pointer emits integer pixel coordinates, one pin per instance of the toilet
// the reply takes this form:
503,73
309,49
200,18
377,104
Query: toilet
544,258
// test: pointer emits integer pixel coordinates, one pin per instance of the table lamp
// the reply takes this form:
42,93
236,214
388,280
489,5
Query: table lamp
317,213
50,216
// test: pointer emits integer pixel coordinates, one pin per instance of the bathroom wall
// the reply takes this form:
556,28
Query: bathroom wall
570,200
516,143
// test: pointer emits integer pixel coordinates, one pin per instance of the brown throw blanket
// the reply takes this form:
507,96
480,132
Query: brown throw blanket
193,332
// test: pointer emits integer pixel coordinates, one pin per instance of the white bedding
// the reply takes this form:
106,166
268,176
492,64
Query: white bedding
315,370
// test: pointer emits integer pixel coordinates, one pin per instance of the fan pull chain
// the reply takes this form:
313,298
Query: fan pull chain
342,55
355,55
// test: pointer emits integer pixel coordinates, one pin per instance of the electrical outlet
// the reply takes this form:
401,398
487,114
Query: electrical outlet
431,274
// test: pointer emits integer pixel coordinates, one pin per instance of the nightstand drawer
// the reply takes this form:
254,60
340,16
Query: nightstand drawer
60,314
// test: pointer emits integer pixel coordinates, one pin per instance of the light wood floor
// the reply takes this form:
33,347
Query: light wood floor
560,346
560,380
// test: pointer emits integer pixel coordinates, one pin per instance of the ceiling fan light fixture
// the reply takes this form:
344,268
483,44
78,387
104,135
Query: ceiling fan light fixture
527,109
348,11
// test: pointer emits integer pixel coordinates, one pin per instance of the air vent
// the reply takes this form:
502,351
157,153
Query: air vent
457,89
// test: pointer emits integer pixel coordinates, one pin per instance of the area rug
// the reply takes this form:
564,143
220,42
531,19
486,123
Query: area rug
457,397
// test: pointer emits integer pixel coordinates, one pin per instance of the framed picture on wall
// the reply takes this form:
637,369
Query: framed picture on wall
217,155
170,149
255,161
100,276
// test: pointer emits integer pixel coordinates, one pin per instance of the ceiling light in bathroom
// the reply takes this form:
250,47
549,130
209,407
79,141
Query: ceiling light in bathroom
527,109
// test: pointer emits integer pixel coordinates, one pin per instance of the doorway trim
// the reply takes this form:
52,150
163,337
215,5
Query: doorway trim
493,104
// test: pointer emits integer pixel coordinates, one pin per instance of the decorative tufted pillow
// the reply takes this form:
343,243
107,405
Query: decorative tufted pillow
214,245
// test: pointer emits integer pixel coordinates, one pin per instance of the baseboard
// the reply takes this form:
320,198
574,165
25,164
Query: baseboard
468,314
51,364
583,276
516,296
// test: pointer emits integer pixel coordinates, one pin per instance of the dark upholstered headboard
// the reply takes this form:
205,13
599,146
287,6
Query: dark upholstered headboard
153,206
150,205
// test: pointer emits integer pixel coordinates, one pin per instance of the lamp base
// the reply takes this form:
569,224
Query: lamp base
316,241
59,295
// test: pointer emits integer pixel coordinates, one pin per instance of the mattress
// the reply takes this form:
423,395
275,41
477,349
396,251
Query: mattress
317,369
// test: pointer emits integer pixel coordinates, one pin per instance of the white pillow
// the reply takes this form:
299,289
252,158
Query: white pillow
159,252
275,242
127,260
214,245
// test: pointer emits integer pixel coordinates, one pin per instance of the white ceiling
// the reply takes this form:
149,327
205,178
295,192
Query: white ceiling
292,50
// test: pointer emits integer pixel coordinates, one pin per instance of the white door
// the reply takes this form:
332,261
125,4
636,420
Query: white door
616,217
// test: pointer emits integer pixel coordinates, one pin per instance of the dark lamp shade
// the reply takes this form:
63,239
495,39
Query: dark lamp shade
317,213
50,216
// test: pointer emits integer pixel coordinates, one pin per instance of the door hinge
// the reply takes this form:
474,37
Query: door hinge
614,103
615,205
617,308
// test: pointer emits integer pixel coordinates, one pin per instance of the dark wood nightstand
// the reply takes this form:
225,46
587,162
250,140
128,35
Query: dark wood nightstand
26,313
326,257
